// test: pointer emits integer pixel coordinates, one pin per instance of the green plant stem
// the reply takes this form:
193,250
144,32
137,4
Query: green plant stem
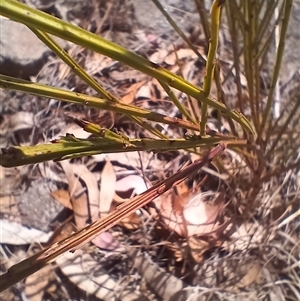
76,68
39,20
71,147
74,97
36,262
210,63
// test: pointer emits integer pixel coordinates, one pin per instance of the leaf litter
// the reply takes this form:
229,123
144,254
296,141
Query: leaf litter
245,238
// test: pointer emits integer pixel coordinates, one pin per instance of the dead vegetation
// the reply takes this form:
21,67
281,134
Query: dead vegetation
227,232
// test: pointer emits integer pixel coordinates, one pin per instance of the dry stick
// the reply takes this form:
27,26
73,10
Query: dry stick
279,55
30,265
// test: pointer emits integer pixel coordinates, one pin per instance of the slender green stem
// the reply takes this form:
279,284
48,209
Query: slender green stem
71,147
76,68
39,20
74,97
176,102
210,63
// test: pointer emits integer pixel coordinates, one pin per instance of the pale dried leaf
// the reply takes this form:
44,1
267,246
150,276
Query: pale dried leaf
131,93
161,282
106,241
201,216
78,196
50,170
134,182
159,56
36,283
107,188
130,159
86,273
253,275
16,234
182,53
92,189
63,197
21,121
132,222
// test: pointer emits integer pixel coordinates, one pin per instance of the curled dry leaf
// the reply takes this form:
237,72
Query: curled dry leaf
106,241
201,216
132,182
195,217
